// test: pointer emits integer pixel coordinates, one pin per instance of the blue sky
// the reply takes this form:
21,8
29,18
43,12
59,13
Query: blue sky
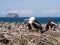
27,8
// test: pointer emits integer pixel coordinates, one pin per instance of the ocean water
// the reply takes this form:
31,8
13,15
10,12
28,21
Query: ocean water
42,20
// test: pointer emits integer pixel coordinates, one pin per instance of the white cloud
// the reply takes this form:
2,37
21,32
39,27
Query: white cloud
13,11
20,12
24,12
2,12
51,11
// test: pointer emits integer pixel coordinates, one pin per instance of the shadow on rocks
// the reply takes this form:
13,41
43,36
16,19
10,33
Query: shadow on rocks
3,39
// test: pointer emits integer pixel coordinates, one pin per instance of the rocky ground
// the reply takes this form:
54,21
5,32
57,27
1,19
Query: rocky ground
18,34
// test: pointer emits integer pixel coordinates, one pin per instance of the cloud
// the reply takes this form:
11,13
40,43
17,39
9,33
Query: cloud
2,12
51,11
24,12
20,12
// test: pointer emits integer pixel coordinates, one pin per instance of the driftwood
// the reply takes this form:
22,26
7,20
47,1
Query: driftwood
23,36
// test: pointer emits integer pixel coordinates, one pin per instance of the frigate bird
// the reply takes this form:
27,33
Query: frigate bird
50,24
32,21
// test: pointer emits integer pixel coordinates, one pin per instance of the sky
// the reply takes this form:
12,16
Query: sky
28,8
